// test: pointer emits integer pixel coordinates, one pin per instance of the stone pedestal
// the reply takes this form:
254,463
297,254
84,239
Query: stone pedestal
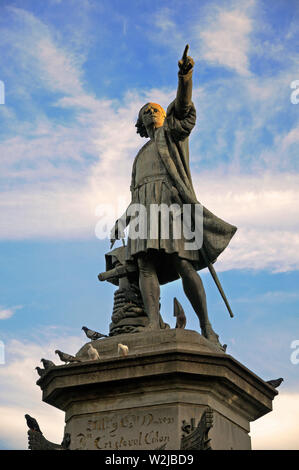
140,401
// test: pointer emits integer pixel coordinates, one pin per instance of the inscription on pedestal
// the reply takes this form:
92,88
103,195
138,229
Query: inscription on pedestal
125,431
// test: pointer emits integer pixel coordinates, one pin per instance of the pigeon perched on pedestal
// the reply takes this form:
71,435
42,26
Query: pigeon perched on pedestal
275,382
64,357
93,335
92,353
47,364
122,349
40,371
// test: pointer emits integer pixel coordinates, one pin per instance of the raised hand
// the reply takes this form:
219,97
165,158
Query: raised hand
186,63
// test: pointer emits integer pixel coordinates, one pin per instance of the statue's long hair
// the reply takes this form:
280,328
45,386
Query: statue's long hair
139,123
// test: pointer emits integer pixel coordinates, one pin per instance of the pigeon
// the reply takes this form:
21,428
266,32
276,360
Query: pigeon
275,383
92,353
179,313
64,357
40,371
47,364
32,424
93,335
122,349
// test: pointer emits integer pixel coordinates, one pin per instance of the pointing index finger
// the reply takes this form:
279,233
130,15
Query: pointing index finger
184,57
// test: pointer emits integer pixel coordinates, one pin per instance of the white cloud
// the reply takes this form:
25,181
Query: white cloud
42,60
265,210
6,313
275,251
279,429
226,40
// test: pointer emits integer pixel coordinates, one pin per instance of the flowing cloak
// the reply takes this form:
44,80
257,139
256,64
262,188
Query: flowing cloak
172,146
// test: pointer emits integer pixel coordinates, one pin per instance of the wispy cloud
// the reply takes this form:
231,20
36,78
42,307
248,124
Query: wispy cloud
6,313
166,30
43,60
225,41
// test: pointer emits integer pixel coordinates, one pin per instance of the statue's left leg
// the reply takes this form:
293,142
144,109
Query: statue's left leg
195,292
150,289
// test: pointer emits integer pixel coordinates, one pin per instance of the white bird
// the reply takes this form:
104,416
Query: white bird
92,353
122,349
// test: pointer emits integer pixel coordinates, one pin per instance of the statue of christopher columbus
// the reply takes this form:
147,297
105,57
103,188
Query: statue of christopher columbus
161,177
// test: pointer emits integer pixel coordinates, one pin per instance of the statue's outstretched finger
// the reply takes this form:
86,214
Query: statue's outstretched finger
184,56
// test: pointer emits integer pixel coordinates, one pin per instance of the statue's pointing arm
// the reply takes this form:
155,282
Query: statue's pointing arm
184,92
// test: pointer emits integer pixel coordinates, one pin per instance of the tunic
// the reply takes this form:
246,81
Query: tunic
150,186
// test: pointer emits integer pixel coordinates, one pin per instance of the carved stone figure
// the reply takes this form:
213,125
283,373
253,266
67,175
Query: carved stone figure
198,438
37,441
161,175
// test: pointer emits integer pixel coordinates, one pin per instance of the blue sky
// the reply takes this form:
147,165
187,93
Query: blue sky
76,74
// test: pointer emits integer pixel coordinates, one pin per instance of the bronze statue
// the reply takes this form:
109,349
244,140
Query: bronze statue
161,175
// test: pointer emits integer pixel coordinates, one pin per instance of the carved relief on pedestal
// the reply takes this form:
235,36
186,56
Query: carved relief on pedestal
196,438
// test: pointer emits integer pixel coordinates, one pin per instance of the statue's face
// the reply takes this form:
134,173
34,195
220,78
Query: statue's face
154,114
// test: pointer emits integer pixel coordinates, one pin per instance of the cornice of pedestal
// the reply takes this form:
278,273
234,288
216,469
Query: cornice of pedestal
177,363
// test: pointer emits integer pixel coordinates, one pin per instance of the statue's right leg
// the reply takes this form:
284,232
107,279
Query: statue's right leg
150,289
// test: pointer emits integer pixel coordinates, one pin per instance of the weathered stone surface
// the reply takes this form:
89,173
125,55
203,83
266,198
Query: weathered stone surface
151,341
126,429
140,401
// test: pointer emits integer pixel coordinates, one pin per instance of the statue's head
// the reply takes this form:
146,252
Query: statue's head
150,114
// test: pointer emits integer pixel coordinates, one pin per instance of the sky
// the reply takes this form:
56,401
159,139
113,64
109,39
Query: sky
74,74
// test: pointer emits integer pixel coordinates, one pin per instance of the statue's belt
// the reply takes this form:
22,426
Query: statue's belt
150,179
